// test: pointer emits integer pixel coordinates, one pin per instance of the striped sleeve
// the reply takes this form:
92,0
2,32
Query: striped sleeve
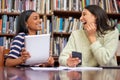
16,46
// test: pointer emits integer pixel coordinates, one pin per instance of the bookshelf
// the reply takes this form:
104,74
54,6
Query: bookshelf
50,12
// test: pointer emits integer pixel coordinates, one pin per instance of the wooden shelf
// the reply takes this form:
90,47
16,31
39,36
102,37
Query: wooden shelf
118,60
18,13
7,35
75,14
61,34
10,13
114,15
48,15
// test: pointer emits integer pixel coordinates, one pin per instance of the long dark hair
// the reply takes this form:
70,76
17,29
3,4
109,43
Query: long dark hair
22,19
102,18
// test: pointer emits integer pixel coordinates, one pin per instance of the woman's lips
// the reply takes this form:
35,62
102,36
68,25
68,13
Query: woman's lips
84,23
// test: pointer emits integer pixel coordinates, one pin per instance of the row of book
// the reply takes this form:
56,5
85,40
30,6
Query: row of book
16,5
59,44
41,6
5,41
8,24
47,6
66,24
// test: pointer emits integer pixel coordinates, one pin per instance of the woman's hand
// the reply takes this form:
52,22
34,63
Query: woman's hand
24,55
73,62
90,30
51,60
49,63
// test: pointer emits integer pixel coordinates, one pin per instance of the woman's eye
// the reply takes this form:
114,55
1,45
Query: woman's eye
35,18
84,14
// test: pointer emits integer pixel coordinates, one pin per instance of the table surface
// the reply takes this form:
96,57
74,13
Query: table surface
12,73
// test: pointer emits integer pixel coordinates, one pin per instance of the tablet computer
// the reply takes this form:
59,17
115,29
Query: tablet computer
38,46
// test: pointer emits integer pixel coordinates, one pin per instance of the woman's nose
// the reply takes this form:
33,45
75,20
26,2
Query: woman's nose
81,18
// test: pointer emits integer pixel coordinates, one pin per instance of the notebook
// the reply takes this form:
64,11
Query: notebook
38,46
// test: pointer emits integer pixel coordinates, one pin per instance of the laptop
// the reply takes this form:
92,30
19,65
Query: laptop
38,47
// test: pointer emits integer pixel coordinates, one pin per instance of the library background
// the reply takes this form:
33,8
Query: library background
59,18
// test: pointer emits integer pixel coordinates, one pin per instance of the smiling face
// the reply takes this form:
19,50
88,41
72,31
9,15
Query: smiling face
87,17
33,23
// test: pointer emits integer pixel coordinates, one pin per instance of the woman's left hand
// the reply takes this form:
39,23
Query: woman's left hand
49,63
51,60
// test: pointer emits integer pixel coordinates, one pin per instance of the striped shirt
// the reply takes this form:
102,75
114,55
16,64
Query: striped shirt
16,46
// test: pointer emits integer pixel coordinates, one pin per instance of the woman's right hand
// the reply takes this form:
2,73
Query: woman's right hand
91,30
73,62
24,55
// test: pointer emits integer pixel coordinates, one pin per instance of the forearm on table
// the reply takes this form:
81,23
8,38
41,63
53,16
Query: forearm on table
13,62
